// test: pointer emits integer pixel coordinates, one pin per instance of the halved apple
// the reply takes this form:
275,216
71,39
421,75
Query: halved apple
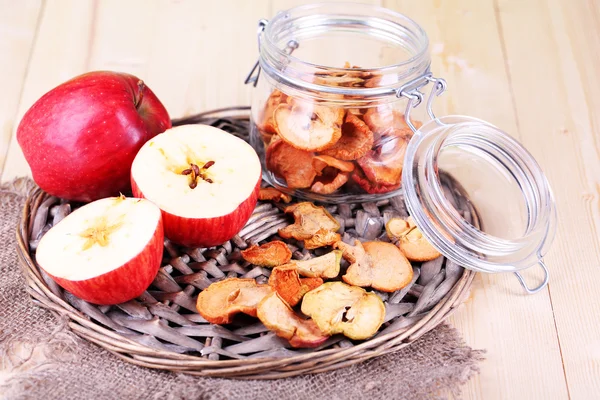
106,252
205,181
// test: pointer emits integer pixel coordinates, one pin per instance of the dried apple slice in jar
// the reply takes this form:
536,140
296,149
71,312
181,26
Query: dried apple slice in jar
266,121
350,76
332,174
330,181
219,302
291,164
379,265
344,78
323,161
279,317
340,308
372,188
356,140
308,126
383,120
383,166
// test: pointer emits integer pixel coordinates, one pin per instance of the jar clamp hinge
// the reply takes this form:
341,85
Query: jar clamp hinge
412,92
254,73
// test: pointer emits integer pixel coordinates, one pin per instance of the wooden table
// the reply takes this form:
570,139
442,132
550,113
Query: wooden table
528,66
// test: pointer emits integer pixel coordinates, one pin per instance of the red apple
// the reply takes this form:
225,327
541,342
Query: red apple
106,252
205,181
81,137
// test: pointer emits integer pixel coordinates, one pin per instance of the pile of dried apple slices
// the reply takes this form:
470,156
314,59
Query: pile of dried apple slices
307,301
326,148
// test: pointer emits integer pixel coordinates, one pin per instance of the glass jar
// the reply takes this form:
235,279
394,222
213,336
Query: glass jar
342,112
332,109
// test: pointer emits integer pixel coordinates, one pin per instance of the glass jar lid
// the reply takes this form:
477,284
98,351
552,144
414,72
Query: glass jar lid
509,221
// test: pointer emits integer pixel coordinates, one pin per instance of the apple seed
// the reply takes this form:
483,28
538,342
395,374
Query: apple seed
197,172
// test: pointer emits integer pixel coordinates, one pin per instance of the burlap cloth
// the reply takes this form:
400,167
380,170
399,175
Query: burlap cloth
41,359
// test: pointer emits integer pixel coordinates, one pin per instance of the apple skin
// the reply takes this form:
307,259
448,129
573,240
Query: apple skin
81,137
206,232
124,283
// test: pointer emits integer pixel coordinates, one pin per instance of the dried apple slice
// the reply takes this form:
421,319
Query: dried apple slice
356,141
274,195
291,164
352,76
279,317
384,166
323,161
266,121
286,281
311,283
323,237
383,120
308,221
219,302
410,240
339,308
396,228
270,254
307,126
326,266
332,174
329,181
359,177
341,77
345,80
379,265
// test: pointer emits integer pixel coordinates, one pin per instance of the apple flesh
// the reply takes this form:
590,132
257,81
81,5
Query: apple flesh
205,181
81,137
106,252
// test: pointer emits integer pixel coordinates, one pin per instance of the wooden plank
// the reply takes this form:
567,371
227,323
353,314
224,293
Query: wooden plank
18,23
198,63
553,68
60,52
517,331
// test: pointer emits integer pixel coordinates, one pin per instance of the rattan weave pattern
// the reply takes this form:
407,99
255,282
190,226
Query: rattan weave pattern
161,328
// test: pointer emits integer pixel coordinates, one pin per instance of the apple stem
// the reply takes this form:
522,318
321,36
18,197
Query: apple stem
141,87
197,172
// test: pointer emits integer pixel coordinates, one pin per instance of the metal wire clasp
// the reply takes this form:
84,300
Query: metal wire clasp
541,285
289,49
251,78
412,92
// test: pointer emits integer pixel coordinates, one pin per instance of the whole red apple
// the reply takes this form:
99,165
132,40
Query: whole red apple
81,137
205,181
106,252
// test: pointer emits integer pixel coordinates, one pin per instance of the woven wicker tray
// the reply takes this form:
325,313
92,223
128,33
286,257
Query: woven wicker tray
162,330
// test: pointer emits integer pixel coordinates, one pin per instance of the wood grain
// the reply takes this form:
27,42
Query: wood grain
557,112
470,57
528,67
18,25
60,52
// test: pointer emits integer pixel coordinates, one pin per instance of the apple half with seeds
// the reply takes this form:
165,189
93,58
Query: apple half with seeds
205,180
106,252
